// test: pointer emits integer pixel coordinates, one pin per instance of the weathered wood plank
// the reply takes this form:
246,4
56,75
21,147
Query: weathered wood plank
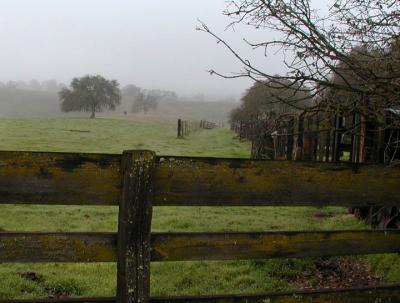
57,247
102,247
264,245
64,300
381,294
212,181
62,178
59,178
134,225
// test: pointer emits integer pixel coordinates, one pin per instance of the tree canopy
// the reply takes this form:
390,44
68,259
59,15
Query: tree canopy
90,94
324,50
263,98
144,102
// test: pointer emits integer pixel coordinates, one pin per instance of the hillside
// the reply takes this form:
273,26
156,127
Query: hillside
26,103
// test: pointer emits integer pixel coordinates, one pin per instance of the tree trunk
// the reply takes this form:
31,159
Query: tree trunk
93,115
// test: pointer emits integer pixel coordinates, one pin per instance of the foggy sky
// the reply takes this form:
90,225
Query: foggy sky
152,44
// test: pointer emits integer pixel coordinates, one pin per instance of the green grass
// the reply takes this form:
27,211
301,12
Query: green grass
170,278
114,136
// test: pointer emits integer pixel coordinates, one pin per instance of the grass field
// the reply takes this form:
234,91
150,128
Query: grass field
171,278
28,103
114,136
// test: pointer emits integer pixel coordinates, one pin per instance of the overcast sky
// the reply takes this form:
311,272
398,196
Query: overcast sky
152,44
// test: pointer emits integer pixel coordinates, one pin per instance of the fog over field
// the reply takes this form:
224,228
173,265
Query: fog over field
153,44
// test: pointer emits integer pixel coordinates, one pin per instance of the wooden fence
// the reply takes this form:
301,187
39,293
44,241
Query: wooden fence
320,136
137,180
185,127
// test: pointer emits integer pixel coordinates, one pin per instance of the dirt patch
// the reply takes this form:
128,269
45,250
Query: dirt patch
32,276
63,288
321,214
338,273
347,216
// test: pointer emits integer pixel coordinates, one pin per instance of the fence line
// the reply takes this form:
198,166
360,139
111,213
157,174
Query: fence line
185,127
319,136
144,179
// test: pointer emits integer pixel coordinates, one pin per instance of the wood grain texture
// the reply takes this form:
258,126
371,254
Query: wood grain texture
134,227
102,247
265,245
381,294
64,300
59,178
212,181
57,247
95,179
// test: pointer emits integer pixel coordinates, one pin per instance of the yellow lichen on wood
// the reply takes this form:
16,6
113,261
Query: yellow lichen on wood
265,245
191,181
59,178
57,247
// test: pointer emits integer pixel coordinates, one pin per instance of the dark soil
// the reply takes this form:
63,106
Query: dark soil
32,276
341,272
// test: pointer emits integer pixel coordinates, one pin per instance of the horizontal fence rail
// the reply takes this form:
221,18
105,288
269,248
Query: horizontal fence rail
265,245
381,294
57,247
59,178
62,178
102,247
229,182
355,295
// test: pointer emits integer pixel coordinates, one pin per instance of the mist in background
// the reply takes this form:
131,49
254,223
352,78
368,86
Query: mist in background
152,44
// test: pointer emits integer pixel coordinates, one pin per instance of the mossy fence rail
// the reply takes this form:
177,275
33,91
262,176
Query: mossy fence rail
137,180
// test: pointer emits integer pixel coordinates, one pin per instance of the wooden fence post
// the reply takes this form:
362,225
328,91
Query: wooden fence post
179,128
135,210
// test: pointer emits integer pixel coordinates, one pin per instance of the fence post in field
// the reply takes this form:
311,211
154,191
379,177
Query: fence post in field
179,128
135,210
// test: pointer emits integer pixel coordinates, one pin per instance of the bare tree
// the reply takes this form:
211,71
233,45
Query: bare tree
355,39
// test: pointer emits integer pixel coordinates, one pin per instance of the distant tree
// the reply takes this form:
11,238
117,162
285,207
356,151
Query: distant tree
131,90
50,85
35,85
266,97
145,101
163,95
61,86
11,85
22,85
90,94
